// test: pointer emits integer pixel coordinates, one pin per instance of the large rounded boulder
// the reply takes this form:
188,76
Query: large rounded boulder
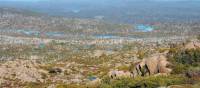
154,64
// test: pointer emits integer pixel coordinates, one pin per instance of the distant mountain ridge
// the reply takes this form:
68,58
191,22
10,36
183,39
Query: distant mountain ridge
19,11
128,11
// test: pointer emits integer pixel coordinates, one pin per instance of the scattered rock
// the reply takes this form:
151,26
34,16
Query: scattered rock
52,86
194,75
98,53
76,80
115,74
55,71
192,45
24,70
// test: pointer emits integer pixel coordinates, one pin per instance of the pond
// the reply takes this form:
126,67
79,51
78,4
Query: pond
107,36
144,28
54,34
29,32
37,33
110,36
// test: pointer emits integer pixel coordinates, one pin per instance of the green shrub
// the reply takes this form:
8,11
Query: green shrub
70,86
188,57
183,60
197,85
141,54
105,86
145,82
123,68
198,37
179,68
35,85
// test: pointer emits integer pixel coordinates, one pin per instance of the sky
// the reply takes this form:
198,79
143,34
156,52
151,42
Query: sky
23,0
77,0
97,0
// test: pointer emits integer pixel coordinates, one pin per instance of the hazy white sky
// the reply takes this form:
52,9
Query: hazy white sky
23,0
92,0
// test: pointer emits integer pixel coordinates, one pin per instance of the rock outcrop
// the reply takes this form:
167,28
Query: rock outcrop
153,65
